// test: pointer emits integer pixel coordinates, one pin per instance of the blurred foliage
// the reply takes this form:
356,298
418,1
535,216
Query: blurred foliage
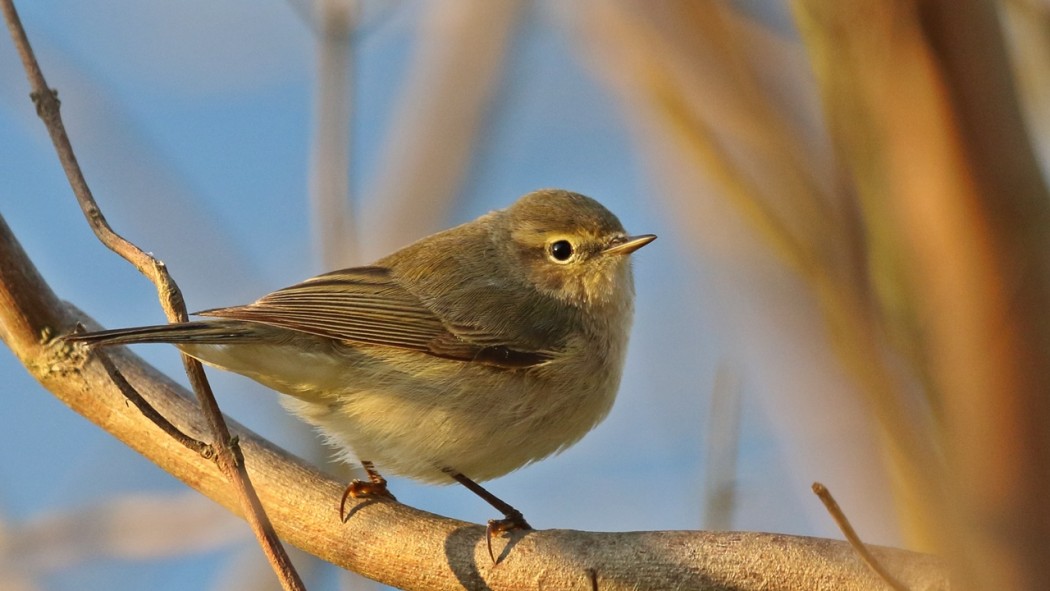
925,243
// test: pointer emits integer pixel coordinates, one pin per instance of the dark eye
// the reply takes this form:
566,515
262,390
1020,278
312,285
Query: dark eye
561,250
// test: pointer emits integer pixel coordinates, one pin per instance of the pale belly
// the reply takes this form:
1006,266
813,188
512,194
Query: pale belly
416,415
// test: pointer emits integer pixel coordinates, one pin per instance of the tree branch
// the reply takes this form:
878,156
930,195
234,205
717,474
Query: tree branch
395,544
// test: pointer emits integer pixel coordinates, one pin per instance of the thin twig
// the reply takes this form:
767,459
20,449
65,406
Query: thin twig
854,540
151,413
228,454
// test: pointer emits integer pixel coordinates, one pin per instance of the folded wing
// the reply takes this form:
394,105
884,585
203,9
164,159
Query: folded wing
366,305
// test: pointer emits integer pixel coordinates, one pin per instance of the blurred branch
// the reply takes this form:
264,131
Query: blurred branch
453,77
393,543
223,448
1027,27
922,105
129,527
330,160
686,61
723,445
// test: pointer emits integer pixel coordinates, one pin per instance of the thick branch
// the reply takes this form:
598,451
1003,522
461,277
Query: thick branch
396,544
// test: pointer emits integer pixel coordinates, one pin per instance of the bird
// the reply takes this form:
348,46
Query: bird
459,358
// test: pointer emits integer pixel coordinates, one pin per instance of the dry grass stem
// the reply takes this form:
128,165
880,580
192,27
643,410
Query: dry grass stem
854,540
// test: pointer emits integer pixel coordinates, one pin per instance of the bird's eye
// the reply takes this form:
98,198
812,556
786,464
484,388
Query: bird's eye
561,251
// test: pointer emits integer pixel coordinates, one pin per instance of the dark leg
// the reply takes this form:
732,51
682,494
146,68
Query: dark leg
359,489
512,518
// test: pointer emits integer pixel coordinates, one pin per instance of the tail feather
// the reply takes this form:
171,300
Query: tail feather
203,332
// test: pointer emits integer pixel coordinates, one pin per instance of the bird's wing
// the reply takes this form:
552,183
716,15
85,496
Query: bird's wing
366,305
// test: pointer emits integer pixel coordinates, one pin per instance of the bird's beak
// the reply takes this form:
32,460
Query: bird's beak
628,244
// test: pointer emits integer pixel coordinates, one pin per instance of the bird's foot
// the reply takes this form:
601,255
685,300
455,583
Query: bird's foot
512,521
373,488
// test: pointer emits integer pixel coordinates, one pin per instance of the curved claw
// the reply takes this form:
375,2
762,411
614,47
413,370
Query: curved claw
375,488
514,520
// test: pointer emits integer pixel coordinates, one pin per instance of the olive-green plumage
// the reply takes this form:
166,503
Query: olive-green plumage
478,349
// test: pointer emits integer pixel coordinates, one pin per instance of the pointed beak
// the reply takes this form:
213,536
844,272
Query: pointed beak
628,244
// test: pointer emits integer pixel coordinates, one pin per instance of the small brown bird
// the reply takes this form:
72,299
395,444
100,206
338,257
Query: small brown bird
461,357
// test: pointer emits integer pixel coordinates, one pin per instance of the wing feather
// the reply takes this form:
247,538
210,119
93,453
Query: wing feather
367,305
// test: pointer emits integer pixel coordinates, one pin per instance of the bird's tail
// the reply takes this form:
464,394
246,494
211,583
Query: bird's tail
211,332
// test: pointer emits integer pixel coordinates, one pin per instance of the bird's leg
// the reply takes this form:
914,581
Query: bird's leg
512,518
375,487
